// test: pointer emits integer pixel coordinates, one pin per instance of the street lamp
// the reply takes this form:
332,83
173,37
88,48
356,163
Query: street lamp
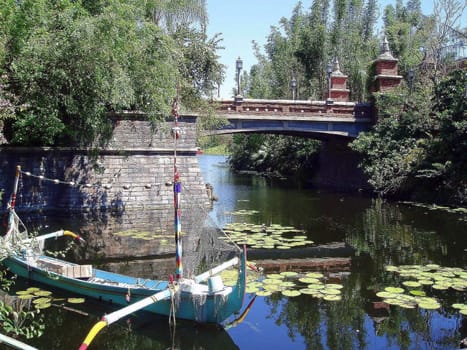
329,72
411,77
239,66
293,87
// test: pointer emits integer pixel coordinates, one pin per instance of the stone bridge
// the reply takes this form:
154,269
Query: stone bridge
316,119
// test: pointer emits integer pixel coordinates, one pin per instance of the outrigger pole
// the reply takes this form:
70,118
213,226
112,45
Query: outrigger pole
107,320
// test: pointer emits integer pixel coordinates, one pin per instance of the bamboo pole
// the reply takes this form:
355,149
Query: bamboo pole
107,320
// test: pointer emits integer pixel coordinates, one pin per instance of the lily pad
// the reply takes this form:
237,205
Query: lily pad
418,293
289,273
396,290
291,293
429,306
412,284
264,293
42,293
314,275
25,296
76,300
309,280
42,300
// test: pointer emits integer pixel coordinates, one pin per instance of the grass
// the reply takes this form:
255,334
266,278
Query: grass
218,150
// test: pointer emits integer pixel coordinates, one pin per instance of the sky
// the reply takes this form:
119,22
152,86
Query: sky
242,21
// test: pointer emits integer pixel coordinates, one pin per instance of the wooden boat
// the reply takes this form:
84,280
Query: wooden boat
201,302
203,298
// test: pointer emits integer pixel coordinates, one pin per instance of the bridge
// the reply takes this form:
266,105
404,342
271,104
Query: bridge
316,119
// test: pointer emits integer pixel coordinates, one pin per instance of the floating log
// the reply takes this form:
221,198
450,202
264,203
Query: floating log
305,265
336,249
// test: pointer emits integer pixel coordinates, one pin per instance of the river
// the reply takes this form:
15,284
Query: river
361,236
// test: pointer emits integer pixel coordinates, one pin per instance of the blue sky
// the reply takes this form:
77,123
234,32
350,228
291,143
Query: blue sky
242,21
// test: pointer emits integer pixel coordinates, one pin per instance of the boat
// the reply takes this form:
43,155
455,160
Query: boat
203,298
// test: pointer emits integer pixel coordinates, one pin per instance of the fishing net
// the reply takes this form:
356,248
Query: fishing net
16,240
206,244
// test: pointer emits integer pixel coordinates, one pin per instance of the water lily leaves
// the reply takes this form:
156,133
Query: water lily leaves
314,275
426,282
439,286
429,306
386,295
289,273
264,293
308,280
20,292
42,300
287,284
25,296
32,289
396,290
316,286
42,293
272,287
330,291
332,297
42,305
308,291
266,237
75,300
334,286
417,292
252,290
272,281
291,293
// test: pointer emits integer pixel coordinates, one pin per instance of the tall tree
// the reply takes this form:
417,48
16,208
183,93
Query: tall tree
70,63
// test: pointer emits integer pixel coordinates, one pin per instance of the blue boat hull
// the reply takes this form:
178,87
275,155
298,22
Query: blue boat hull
204,308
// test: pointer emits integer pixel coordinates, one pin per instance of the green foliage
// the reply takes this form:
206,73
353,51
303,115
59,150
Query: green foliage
71,63
283,155
419,142
15,317
20,322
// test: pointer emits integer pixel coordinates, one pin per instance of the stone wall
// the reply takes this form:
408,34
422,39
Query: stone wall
112,195
338,168
134,171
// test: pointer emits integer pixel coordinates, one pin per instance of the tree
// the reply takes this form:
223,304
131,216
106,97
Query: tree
419,143
71,63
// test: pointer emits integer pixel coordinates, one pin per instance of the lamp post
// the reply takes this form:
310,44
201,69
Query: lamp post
411,77
293,87
239,67
329,72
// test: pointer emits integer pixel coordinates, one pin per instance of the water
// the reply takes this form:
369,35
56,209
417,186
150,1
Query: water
377,233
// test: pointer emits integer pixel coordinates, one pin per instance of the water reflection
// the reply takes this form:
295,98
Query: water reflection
378,232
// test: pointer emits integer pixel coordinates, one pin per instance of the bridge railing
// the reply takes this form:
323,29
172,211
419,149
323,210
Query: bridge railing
294,107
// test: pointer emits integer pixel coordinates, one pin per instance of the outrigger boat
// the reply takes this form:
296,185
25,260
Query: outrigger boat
203,298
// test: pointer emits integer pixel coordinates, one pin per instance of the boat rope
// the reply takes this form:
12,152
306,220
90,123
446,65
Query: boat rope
172,313
106,186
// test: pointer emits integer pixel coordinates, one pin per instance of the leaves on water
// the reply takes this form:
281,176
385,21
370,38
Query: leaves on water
424,278
266,237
